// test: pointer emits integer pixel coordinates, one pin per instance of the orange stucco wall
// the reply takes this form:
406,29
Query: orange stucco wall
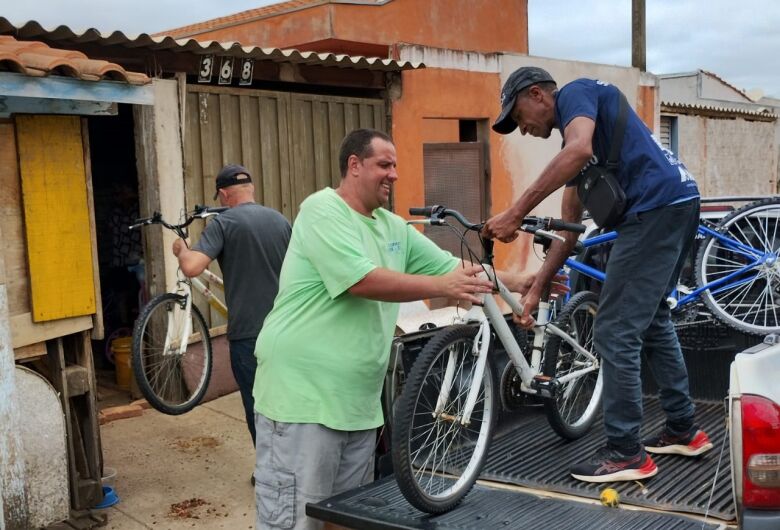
645,105
440,130
429,100
498,25
287,30
453,24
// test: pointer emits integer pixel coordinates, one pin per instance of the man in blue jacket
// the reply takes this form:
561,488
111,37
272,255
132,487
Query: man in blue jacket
654,235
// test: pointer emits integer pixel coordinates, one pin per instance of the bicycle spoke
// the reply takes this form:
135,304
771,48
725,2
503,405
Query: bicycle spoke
575,405
747,300
172,376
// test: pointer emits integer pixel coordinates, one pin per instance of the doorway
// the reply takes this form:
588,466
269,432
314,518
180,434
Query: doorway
120,252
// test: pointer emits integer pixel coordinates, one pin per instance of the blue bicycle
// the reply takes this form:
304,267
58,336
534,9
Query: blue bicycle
736,271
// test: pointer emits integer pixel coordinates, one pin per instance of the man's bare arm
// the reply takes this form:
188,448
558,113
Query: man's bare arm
191,262
571,212
391,286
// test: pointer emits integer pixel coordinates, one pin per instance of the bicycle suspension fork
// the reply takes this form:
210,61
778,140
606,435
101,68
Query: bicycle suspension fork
480,348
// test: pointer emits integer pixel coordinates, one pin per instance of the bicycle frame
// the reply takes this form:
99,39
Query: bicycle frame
491,314
211,298
180,340
675,299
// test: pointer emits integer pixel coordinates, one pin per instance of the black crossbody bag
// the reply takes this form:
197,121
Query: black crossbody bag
598,187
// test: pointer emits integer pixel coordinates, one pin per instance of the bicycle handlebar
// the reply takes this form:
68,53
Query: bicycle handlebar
425,211
199,212
559,224
530,224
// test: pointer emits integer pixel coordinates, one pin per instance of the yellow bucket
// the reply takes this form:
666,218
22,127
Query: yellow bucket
122,348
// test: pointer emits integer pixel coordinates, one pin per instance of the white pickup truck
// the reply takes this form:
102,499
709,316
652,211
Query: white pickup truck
754,429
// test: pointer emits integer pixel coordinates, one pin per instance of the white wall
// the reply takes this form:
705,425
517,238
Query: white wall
683,89
713,89
729,156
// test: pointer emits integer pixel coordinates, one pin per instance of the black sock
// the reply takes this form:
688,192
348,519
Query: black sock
626,450
681,426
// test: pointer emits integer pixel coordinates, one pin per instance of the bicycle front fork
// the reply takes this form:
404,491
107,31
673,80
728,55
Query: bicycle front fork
479,349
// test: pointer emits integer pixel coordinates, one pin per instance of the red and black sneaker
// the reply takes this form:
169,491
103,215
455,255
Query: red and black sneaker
609,465
691,443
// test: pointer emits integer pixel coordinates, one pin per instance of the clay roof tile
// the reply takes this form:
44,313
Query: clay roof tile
37,59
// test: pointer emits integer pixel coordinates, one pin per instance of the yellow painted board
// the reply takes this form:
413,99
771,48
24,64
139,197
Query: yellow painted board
54,192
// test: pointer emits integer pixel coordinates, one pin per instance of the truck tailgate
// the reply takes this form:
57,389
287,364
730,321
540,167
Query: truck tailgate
380,506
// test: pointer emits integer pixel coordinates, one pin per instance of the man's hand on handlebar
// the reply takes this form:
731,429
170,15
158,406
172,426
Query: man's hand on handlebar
179,245
503,227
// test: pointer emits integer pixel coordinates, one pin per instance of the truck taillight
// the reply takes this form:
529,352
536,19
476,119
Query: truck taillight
760,452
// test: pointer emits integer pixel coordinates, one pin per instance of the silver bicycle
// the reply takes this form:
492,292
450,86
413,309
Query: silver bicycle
444,418
172,356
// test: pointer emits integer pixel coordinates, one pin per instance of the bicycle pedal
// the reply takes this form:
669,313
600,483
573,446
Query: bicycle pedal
545,386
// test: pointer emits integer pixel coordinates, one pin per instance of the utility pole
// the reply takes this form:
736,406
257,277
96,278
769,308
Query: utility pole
638,46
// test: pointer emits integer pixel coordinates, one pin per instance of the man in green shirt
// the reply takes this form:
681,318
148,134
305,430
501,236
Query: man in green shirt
324,348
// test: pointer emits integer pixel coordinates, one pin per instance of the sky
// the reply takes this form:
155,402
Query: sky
740,44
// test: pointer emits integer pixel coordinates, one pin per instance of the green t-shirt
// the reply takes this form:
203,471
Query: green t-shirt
322,353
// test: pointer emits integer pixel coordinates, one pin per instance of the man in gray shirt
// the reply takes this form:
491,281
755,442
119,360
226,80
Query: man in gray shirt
249,242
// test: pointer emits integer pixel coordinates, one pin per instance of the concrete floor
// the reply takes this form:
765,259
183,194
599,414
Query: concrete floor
190,471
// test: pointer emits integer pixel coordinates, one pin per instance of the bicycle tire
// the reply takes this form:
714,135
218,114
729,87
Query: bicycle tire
176,383
461,463
576,404
749,303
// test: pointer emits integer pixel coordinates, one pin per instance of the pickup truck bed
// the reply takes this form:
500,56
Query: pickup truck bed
526,452
526,456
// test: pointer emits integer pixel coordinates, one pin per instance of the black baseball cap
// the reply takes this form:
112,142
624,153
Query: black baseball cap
231,175
518,80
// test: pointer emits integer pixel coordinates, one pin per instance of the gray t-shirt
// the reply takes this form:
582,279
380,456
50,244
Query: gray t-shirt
249,242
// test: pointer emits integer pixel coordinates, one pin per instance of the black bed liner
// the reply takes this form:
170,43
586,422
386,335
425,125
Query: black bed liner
526,452
529,453
380,506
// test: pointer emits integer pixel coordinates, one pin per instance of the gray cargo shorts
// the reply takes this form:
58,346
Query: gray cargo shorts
298,463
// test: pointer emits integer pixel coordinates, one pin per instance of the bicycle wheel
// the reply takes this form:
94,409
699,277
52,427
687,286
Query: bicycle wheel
437,459
749,301
173,382
576,405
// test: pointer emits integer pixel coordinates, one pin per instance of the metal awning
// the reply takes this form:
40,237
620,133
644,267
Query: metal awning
692,109
22,94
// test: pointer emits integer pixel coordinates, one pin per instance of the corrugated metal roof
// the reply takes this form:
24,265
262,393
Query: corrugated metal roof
33,30
764,114
37,59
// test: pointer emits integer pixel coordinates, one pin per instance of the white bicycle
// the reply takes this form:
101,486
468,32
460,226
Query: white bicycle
444,418
172,356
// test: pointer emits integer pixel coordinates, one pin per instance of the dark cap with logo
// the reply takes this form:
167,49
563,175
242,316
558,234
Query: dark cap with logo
231,175
519,79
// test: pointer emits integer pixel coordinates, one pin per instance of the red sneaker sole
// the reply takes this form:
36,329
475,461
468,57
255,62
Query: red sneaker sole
646,471
683,450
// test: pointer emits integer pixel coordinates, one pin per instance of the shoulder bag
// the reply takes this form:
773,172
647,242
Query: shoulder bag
598,187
